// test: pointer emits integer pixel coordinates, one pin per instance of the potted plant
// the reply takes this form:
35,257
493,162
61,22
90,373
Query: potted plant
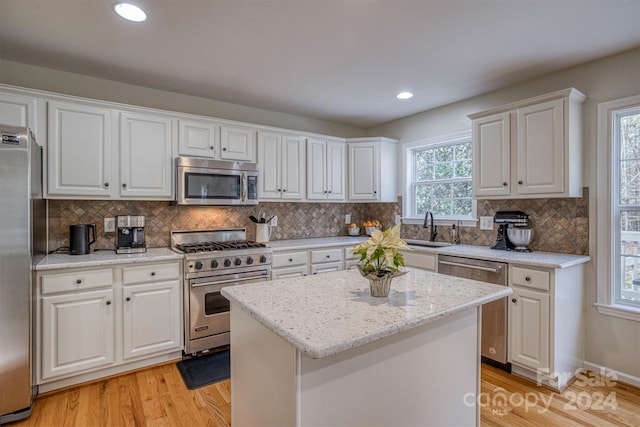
380,259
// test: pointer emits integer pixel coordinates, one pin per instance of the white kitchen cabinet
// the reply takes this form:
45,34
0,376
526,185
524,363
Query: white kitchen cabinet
289,272
289,264
146,165
529,149
198,138
421,260
350,259
371,159
80,150
325,169
237,143
325,260
21,110
546,323
282,162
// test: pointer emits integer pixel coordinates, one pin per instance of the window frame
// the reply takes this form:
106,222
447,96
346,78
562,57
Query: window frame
408,202
607,212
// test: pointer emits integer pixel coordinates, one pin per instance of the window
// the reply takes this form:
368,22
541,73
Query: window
438,178
619,207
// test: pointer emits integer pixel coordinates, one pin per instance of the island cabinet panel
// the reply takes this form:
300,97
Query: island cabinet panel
422,260
404,379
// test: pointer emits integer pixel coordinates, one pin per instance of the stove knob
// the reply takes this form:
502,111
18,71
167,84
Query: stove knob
249,260
263,258
198,265
227,262
238,261
214,263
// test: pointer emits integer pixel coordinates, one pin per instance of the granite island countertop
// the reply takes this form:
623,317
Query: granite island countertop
105,258
322,315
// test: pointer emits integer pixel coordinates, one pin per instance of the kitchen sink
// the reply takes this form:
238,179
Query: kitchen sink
426,243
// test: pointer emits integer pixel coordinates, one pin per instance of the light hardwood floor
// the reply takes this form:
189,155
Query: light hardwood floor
157,396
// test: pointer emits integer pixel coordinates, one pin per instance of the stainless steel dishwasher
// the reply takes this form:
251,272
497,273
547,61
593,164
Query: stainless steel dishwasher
494,314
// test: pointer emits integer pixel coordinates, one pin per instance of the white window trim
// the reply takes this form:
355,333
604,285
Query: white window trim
605,300
407,198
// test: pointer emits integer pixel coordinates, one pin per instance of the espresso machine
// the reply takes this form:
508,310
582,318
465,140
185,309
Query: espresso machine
130,234
514,220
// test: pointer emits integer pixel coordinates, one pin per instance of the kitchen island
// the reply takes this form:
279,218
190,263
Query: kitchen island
319,350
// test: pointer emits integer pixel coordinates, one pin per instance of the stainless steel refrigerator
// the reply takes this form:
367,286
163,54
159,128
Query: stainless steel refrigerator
22,245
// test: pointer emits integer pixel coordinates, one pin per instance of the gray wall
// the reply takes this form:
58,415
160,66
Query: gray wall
611,342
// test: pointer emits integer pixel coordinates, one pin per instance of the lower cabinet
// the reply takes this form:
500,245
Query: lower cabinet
92,323
530,328
289,264
325,260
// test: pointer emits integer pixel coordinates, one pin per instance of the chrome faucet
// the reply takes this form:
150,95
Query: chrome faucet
428,223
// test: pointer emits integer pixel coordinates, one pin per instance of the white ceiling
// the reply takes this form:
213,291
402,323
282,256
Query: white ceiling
338,60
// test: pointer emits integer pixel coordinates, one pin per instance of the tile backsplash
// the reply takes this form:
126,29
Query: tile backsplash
560,225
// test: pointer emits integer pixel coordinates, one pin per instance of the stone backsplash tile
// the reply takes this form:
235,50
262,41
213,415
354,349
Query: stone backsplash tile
560,225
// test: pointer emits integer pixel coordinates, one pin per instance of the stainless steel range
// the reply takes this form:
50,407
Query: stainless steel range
214,259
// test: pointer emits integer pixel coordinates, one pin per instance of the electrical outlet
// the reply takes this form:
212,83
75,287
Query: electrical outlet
486,223
398,219
347,219
109,225
274,221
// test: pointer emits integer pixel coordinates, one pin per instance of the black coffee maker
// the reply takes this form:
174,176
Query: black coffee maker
81,237
506,219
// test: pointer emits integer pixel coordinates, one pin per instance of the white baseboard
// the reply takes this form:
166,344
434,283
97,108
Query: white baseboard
620,376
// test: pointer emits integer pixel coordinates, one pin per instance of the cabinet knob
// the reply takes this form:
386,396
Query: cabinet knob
211,147
224,148
106,185
315,273
284,190
329,191
79,281
279,189
124,185
514,300
290,259
504,184
328,256
153,273
520,182
108,302
527,279
128,298
375,192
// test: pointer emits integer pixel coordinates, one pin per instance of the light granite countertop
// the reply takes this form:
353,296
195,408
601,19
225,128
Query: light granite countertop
534,259
104,257
326,314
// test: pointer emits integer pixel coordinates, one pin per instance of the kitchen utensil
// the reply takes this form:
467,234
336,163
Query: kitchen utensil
520,237
269,220
263,232
79,239
253,218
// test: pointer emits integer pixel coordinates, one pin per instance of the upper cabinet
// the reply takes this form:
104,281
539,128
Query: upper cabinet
79,150
20,110
529,149
368,158
146,166
282,166
325,169
237,143
198,138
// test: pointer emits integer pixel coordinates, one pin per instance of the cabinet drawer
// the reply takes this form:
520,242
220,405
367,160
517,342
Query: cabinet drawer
78,281
326,255
286,273
326,267
530,278
348,253
420,260
288,259
150,273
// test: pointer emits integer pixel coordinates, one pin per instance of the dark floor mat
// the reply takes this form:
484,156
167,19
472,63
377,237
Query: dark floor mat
204,370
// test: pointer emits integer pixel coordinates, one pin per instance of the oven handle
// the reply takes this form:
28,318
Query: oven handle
473,267
208,281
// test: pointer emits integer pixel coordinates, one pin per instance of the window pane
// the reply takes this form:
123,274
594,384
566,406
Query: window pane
628,132
630,287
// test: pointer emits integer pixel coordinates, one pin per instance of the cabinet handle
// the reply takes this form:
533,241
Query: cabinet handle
108,302
153,273
106,185
124,185
514,300
79,281
527,279
315,273
128,298
504,184
329,191
520,182
328,256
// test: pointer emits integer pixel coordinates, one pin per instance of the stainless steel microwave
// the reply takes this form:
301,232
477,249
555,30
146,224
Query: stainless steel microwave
207,182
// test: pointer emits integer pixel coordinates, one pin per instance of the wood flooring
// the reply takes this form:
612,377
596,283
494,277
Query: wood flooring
157,396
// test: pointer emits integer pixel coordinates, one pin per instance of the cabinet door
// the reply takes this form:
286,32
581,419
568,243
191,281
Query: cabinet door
336,168
237,143
285,273
145,156
197,138
18,110
529,328
316,169
79,150
151,318
492,156
363,171
269,156
293,167
77,332
540,148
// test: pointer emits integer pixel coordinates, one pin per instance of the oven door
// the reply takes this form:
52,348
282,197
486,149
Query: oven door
208,309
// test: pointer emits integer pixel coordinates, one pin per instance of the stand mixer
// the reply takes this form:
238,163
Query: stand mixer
512,232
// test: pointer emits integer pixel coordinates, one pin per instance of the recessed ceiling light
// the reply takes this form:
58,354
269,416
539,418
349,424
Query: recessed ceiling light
404,95
130,12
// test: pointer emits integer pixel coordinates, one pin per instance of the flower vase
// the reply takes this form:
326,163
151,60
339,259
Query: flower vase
380,281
